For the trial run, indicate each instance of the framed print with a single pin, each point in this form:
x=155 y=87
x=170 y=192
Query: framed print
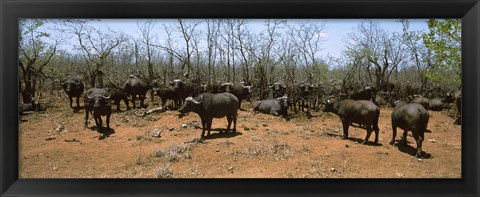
x=239 y=98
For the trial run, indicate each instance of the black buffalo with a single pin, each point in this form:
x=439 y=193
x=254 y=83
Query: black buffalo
x=278 y=90
x=74 y=87
x=35 y=105
x=276 y=107
x=183 y=89
x=410 y=117
x=209 y=106
x=97 y=103
x=241 y=91
x=116 y=95
x=425 y=102
x=456 y=98
x=458 y=105
x=361 y=112
x=166 y=93
x=136 y=87
x=436 y=104
x=306 y=95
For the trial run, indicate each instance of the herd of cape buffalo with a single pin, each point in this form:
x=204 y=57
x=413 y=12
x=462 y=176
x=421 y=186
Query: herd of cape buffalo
x=353 y=103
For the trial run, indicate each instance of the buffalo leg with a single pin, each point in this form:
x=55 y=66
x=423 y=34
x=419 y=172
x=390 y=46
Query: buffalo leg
x=71 y=100
x=117 y=102
x=204 y=124
x=142 y=99
x=108 y=121
x=345 y=129
x=99 y=122
x=234 y=123
x=419 y=140
x=209 y=126
x=134 y=97
x=377 y=131
x=86 y=118
x=404 y=140
x=394 y=134
x=229 y=119
x=126 y=103
x=78 y=101
x=369 y=132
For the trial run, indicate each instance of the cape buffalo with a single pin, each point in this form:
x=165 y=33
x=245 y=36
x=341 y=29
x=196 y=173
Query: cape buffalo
x=458 y=104
x=116 y=95
x=166 y=93
x=74 y=87
x=436 y=104
x=209 y=106
x=410 y=117
x=422 y=101
x=134 y=87
x=456 y=98
x=278 y=106
x=97 y=103
x=361 y=112
x=278 y=90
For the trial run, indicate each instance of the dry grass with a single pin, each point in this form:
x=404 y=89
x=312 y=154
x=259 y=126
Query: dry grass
x=175 y=152
x=164 y=172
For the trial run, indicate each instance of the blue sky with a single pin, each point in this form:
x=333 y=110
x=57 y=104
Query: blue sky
x=334 y=32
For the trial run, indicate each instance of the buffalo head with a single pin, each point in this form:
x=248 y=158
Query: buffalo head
x=99 y=98
x=189 y=105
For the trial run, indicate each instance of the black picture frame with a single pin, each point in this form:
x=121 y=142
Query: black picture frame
x=11 y=11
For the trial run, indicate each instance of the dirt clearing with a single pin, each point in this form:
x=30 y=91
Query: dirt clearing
x=54 y=144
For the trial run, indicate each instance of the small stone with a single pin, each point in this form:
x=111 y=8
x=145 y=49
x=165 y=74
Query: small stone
x=346 y=145
x=217 y=150
x=432 y=140
x=171 y=129
x=230 y=168
x=184 y=126
x=157 y=133
x=59 y=128
x=420 y=160
x=332 y=169
x=246 y=129
x=265 y=125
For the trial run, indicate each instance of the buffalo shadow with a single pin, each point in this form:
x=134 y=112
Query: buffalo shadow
x=408 y=149
x=105 y=132
x=369 y=142
x=222 y=133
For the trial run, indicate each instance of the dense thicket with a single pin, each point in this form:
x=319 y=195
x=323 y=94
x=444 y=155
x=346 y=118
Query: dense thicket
x=232 y=50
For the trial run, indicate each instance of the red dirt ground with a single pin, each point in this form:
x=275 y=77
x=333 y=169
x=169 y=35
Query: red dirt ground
x=54 y=144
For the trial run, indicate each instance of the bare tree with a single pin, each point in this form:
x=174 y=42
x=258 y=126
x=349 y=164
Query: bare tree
x=419 y=53
x=307 y=38
x=147 y=40
x=188 y=33
x=96 y=46
x=212 y=40
x=382 y=50
x=34 y=56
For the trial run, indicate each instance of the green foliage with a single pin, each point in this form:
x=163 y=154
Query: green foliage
x=444 y=40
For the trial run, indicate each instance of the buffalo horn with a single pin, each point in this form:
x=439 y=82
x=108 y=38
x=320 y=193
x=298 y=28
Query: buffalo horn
x=106 y=97
x=192 y=100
